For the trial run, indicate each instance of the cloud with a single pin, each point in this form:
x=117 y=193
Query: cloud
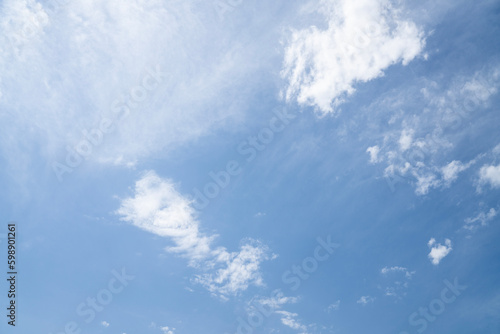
x=334 y=306
x=361 y=40
x=388 y=270
x=274 y=304
x=489 y=174
x=450 y=172
x=238 y=270
x=105 y=324
x=399 y=285
x=481 y=219
x=365 y=300
x=406 y=139
x=80 y=63
x=413 y=145
x=373 y=151
x=438 y=251
x=167 y=330
x=289 y=319
x=157 y=207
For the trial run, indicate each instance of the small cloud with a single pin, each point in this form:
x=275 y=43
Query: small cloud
x=167 y=330
x=490 y=175
x=406 y=140
x=334 y=307
x=365 y=300
x=373 y=151
x=399 y=286
x=387 y=270
x=288 y=319
x=105 y=324
x=259 y=214
x=450 y=172
x=438 y=251
x=481 y=219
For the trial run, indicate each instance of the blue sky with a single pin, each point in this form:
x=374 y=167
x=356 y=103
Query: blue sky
x=236 y=166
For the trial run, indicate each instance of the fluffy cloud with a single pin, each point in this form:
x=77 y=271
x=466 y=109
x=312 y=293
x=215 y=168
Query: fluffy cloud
x=157 y=207
x=167 y=330
x=373 y=151
x=438 y=251
x=361 y=40
x=490 y=175
x=105 y=324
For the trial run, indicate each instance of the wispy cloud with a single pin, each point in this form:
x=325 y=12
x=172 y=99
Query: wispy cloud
x=334 y=306
x=481 y=219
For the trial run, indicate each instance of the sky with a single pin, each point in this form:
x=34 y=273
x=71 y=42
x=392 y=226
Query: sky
x=239 y=167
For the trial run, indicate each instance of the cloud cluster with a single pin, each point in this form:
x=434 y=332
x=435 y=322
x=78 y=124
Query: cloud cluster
x=400 y=276
x=413 y=145
x=361 y=40
x=157 y=207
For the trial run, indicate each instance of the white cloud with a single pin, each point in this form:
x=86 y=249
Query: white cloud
x=438 y=251
x=490 y=175
x=105 y=324
x=400 y=277
x=481 y=219
x=373 y=151
x=450 y=172
x=157 y=207
x=406 y=139
x=289 y=319
x=413 y=144
x=363 y=38
x=167 y=330
x=238 y=270
x=277 y=300
x=274 y=304
x=388 y=270
x=365 y=300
